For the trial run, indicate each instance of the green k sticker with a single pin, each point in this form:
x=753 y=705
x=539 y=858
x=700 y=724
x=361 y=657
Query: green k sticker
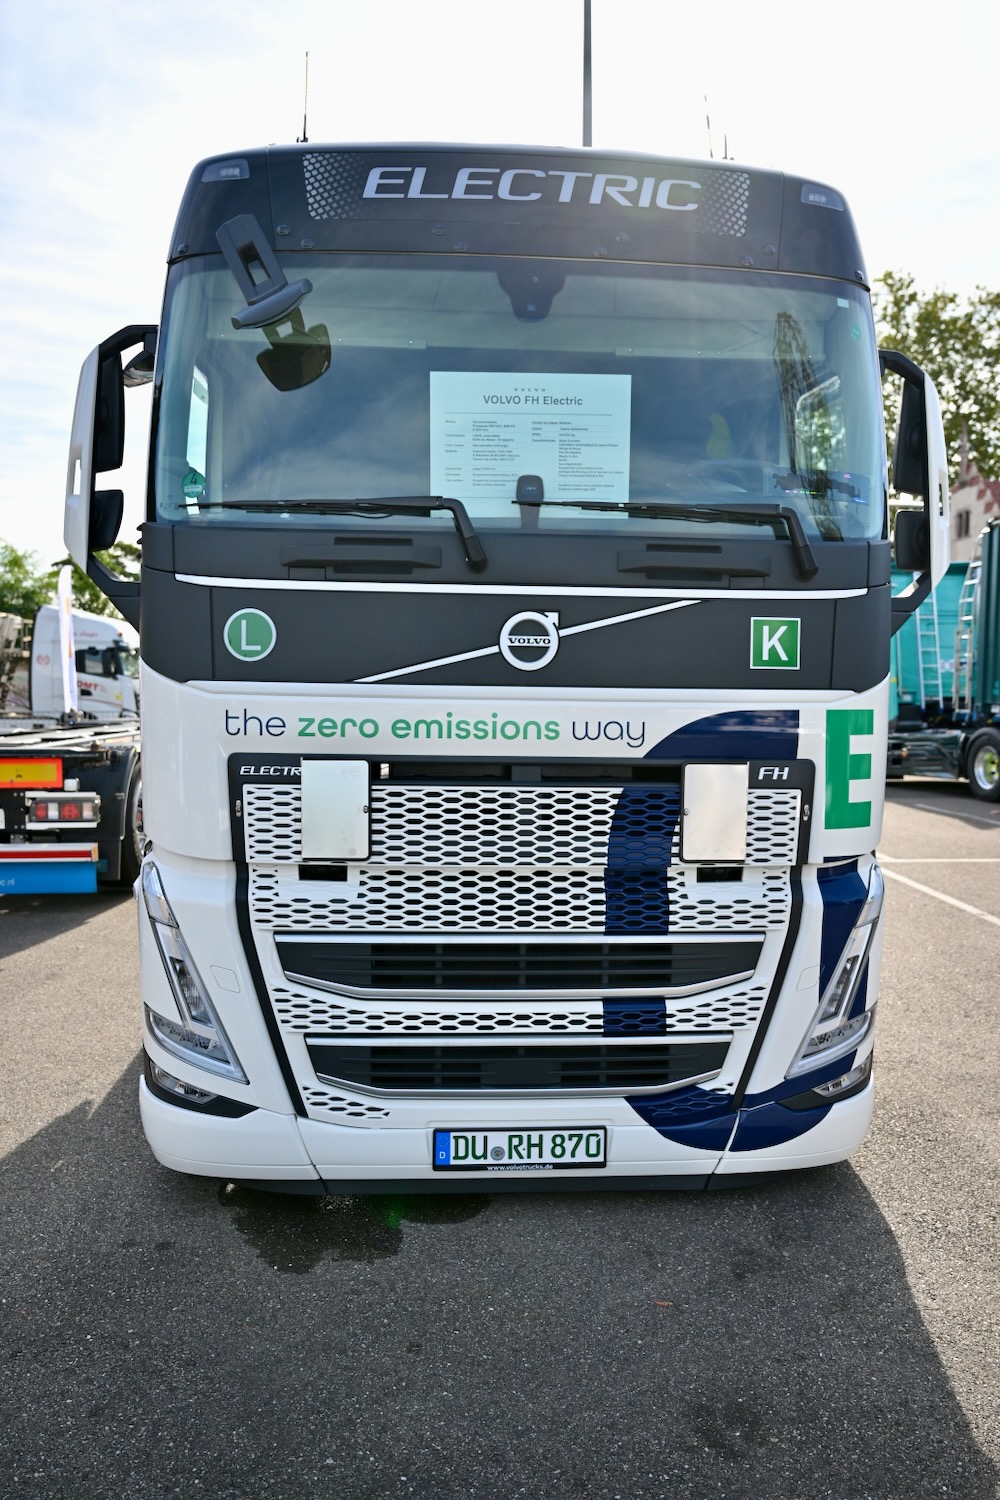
x=250 y=634
x=774 y=643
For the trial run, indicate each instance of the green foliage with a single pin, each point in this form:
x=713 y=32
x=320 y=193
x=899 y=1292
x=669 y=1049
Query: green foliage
x=123 y=559
x=957 y=341
x=24 y=584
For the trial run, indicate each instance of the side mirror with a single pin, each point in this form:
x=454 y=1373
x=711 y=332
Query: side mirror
x=92 y=517
x=919 y=468
x=911 y=542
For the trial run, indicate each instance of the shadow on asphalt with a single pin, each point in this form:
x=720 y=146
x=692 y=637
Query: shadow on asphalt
x=745 y=1344
x=27 y=921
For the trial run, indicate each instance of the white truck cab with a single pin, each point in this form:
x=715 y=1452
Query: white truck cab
x=107 y=665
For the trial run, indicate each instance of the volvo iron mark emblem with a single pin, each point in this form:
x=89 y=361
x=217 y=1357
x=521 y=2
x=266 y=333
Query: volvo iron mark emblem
x=529 y=641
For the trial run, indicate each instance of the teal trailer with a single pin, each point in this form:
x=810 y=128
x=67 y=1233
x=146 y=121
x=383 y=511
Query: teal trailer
x=945 y=688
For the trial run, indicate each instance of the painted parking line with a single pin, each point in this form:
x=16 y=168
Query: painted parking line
x=890 y=859
x=926 y=890
x=968 y=816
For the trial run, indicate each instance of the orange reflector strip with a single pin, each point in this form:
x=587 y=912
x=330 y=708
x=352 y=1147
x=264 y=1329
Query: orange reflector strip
x=31 y=773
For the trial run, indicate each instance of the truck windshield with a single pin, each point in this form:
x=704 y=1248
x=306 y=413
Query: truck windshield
x=497 y=379
x=127 y=660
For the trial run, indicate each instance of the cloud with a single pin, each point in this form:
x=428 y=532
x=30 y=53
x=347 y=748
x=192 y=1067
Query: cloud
x=106 y=110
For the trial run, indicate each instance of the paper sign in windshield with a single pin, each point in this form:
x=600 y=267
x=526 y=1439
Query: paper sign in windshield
x=570 y=430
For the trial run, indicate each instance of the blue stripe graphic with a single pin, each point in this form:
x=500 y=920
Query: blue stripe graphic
x=639 y=843
x=747 y=734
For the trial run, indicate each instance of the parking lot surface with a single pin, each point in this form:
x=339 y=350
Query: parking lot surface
x=833 y=1335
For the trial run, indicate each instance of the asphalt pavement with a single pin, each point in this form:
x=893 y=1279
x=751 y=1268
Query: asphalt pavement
x=831 y=1335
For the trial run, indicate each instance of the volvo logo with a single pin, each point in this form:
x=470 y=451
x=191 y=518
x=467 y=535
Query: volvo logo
x=529 y=641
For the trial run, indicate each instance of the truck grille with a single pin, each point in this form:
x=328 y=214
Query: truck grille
x=533 y=826
x=512 y=936
x=506 y=967
x=622 y=1068
x=305 y=1011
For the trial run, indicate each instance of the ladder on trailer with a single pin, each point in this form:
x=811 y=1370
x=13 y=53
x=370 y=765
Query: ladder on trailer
x=964 y=632
x=928 y=651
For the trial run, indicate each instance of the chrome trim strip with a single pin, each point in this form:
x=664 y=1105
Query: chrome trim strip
x=678 y=1039
x=618 y=1093
x=551 y=996
x=581 y=940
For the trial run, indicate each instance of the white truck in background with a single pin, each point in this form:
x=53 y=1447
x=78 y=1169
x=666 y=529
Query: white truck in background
x=70 y=786
x=107 y=665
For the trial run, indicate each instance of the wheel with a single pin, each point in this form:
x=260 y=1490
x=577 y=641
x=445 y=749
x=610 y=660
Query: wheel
x=983 y=766
x=133 y=838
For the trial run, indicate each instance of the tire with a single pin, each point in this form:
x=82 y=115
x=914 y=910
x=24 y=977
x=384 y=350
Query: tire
x=982 y=766
x=133 y=839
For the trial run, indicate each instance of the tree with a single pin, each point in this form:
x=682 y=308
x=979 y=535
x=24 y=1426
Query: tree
x=957 y=341
x=123 y=558
x=24 y=585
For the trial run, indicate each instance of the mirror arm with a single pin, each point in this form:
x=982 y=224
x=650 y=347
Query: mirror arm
x=123 y=592
x=909 y=601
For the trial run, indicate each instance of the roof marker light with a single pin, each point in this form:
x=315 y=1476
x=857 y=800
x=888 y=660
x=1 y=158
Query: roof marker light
x=226 y=171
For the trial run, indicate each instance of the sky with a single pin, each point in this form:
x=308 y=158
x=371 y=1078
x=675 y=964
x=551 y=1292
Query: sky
x=105 y=109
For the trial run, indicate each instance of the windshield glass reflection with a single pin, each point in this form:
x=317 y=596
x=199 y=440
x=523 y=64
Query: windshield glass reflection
x=489 y=379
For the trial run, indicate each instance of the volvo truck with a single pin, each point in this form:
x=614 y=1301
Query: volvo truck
x=515 y=615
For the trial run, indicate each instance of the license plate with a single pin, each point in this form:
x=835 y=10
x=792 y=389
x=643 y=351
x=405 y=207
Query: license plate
x=563 y=1150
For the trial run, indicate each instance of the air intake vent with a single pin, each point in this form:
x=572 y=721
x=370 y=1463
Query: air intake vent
x=621 y=1068
x=512 y=967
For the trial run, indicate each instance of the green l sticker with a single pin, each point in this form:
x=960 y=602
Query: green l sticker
x=250 y=634
x=774 y=642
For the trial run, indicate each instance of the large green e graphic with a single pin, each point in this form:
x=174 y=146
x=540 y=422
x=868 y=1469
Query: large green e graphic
x=843 y=767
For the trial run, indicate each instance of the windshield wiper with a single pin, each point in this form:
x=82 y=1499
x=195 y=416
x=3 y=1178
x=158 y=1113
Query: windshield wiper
x=760 y=515
x=385 y=505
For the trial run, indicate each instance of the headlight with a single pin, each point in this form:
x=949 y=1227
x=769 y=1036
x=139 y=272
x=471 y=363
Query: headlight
x=200 y=1038
x=831 y=1034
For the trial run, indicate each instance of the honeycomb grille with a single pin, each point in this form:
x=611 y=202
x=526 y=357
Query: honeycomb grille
x=433 y=901
x=537 y=826
x=301 y=1010
x=772 y=827
x=324 y=1101
x=450 y=825
x=523 y=873
x=725 y=202
x=507 y=901
x=335 y=181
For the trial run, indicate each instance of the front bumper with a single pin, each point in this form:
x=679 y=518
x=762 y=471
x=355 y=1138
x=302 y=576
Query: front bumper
x=269 y=1149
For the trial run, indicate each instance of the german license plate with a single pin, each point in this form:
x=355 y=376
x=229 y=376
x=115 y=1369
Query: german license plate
x=548 y=1150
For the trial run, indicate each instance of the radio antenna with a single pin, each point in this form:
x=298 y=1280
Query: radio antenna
x=708 y=127
x=303 y=139
x=587 y=100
